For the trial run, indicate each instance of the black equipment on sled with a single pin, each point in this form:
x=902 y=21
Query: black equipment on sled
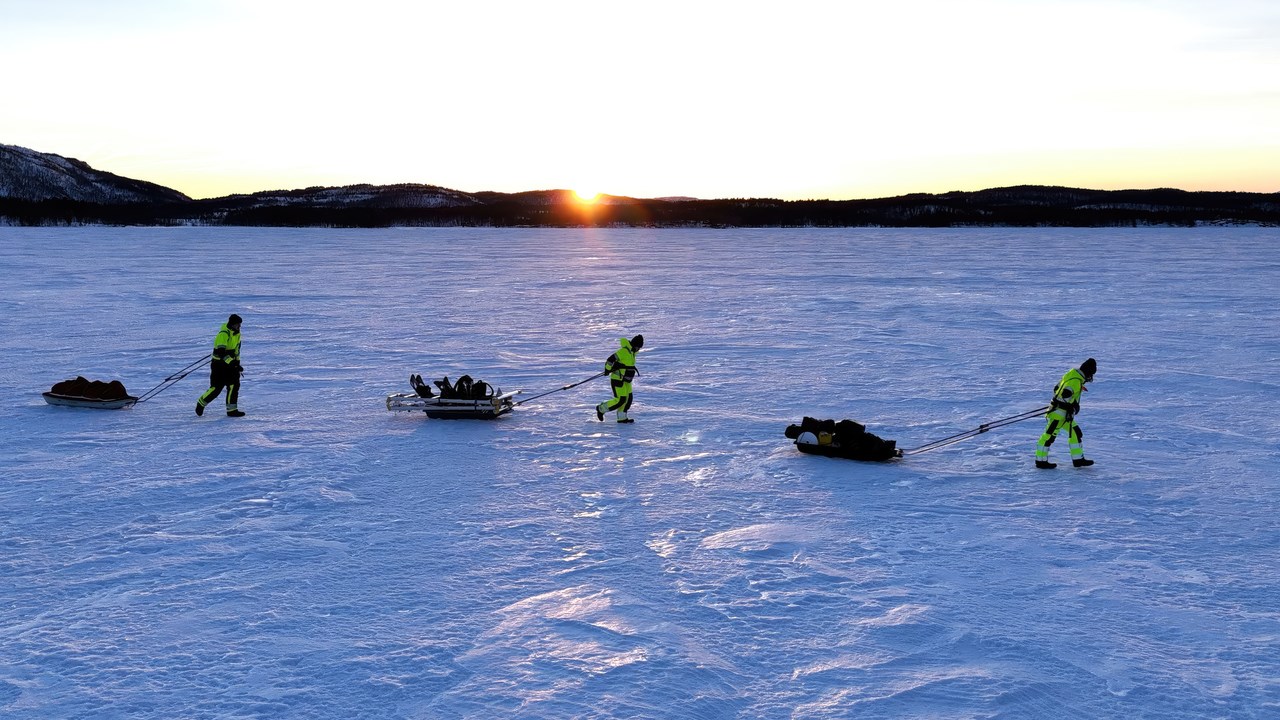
x=844 y=439
x=90 y=393
x=465 y=399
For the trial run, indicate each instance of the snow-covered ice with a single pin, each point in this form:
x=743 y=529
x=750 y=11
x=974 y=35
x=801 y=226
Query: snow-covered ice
x=324 y=558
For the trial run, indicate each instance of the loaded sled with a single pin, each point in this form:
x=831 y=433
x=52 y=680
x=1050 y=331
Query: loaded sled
x=90 y=394
x=466 y=399
x=845 y=439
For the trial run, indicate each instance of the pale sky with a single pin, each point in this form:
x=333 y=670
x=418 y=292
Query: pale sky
x=789 y=99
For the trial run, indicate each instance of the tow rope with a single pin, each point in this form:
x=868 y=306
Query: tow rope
x=566 y=387
x=978 y=430
x=174 y=378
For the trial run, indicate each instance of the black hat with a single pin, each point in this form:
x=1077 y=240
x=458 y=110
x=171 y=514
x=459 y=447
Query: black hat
x=1089 y=367
x=637 y=342
x=233 y=320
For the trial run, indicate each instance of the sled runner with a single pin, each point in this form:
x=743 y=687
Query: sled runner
x=466 y=399
x=845 y=439
x=90 y=394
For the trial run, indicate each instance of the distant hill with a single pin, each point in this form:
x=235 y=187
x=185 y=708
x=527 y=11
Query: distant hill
x=43 y=189
x=370 y=196
x=34 y=176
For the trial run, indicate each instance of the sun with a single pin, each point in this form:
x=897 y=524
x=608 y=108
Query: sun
x=587 y=197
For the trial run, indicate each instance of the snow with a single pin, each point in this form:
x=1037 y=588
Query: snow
x=324 y=558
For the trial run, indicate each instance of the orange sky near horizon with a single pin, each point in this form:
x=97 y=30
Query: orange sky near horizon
x=713 y=99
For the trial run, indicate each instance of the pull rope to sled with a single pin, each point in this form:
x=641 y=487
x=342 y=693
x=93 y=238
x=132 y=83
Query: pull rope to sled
x=566 y=387
x=977 y=431
x=174 y=378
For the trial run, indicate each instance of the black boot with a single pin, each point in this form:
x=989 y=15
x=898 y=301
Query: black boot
x=1046 y=465
x=1082 y=462
x=199 y=409
x=599 y=414
x=235 y=413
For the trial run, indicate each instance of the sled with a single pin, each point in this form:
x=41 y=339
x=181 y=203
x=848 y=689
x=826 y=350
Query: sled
x=838 y=451
x=88 y=402
x=85 y=393
x=441 y=408
x=845 y=439
x=467 y=399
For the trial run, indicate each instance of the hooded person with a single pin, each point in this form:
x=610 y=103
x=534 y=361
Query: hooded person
x=1062 y=416
x=224 y=371
x=621 y=367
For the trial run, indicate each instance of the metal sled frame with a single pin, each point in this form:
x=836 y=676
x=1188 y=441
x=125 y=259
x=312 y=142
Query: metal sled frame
x=445 y=408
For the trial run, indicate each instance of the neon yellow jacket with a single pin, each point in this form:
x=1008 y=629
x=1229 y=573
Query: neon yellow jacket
x=1066 y=395
x=622 y=364
x=226 y=346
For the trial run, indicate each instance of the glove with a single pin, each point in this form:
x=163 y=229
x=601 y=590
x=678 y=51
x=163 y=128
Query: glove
x=1075 y=407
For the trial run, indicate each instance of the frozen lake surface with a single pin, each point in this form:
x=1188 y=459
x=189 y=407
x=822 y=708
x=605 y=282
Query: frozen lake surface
x=324 y=558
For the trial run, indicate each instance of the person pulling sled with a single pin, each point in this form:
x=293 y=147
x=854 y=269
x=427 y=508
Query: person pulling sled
x=1062 y=416
x=224 y=371
x=621 y=367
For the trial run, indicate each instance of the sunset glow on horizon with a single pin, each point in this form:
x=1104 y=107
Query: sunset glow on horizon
x=802 y=100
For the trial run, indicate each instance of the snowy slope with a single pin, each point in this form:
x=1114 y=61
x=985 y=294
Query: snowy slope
x=29 y=175
x=323 y=558
x=380 y=196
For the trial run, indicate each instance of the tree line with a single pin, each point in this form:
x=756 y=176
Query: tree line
x=1018 y=207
